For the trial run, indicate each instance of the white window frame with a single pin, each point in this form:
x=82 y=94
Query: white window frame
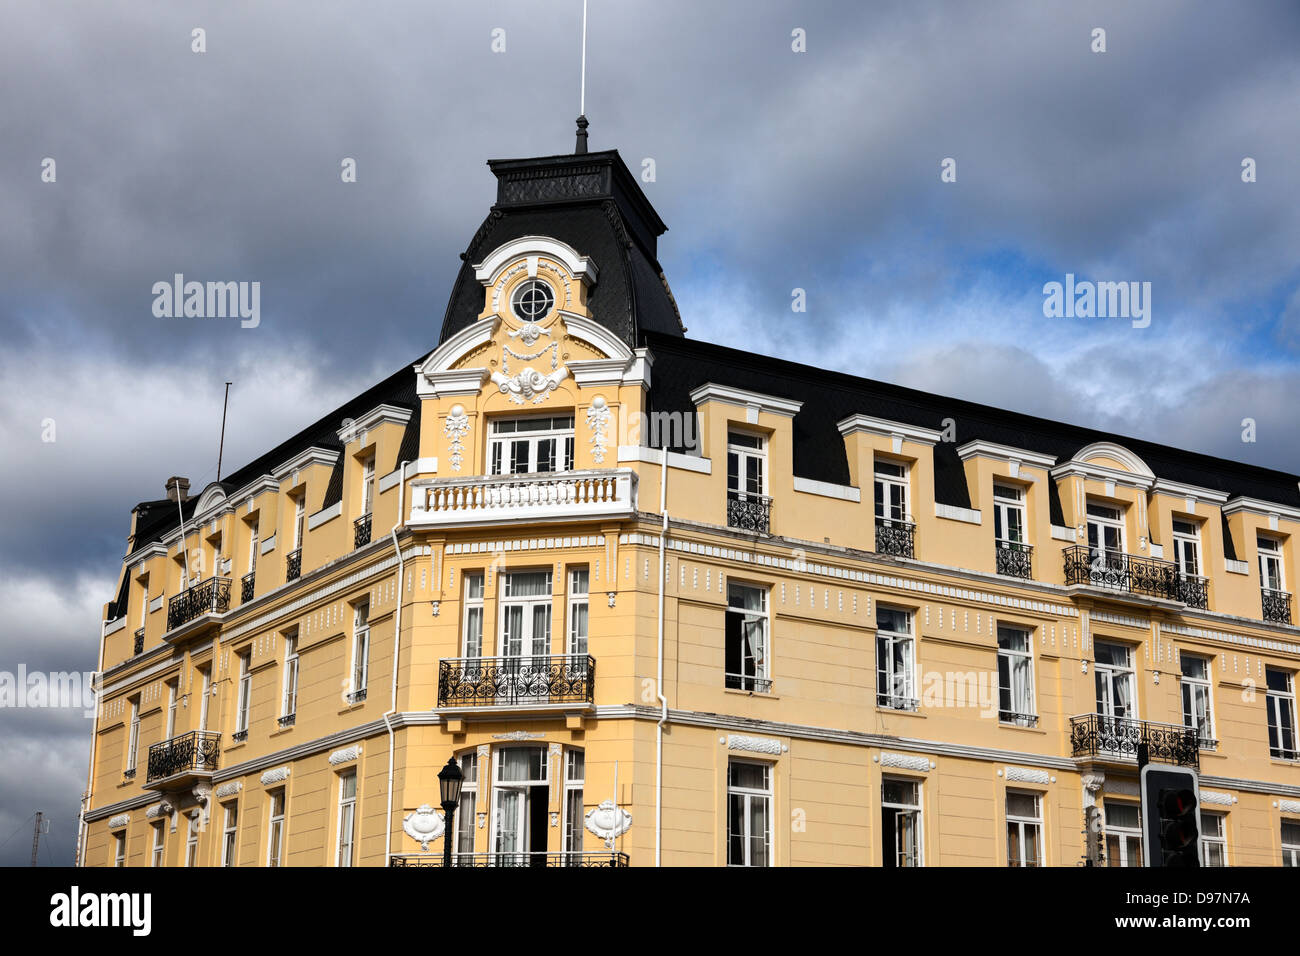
x=1193 y=685
x=1009 y=500
x=245 y=701
x=500 y=445
x=472 y=624
x=1219 y=839
x=575 y=773
x=172 y=696
x=904 y=697
x=368 y=484
x=347 y=821
x=886 y=487
x=157 y=852
x=276 y=827
x=119 y=849
x=133 y=735
x=466 y=812
x=1109 y=673
x=230 y=834
x=252 y=547
x=1016 y=715
x=1273 y=701
x=1290 y=851
x=1187 y=548
x=520 y=791
x=579 y=611
x=1270 y=554
x=360 y=647
x=299 y=519
x=529 y=644
x=761 y=680
x=289 y=692
x=206 y=674
x=747 y=457
x=1127 y=837
x=192 y=842
x=1024 y=823
x=1114 y=521
x=751 y=797
x=917 y=810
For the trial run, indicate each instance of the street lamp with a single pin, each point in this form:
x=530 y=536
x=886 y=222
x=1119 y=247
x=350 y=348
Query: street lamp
x=449 y=781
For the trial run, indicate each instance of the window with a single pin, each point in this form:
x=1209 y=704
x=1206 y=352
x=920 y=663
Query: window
x=192 y=842
x=289 y=703
x=347 y=817
x=746 y=637
x=1008 y=514
x=1281 y=714
x=1015 y=677
x=1114 y=678
x=578 y=597
x=252 y=546
x=170 y=730
x=521 y=797
x=526 y=614
x=535 y=444
x=472 y=641
x=746 y=457
x=360 y=651
x=895 y=660
x=133 y=737
x=159 y=844
x=275 y=832
x=205 y=682
x=368 y=484
x=245 y=696
x=891 y=491
x=119 y=849
x=468 y=804
x=1024 y=829
x=1123 y=834
x=1106 y=534
x=1197 y=711
x=532 y=300
x=230 y=835
x=1187 y=548
x=144 y=600
x=900 y=802
x=1290 y=843
x=299 y=519
x=1214 y=839
x=1271 y=576
x=749 y=814
x=574 y=772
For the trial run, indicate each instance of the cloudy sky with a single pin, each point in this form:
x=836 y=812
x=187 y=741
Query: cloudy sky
x=775 y=170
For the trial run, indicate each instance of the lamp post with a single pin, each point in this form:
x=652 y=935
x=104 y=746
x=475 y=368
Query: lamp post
x=449 y=781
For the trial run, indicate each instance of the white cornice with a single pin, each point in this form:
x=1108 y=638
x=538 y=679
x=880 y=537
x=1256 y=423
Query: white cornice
x=311 y=456
x=379 y=415
x=1109 y=449
x=1103 y=473
x=594 y=334
x=457 y=381
x=1176 y=489
x=888 y=429
x=1004 y=453
x=1256 y=506
x=490 y=268
x=713 y=392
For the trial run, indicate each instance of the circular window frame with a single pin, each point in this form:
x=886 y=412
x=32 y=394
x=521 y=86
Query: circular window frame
x=526 y=286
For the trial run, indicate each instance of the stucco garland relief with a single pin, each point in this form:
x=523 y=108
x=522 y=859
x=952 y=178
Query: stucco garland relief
x=456 y=428
x=608 y=822
x=423 y=826
x=598 y=423
x=528 y=384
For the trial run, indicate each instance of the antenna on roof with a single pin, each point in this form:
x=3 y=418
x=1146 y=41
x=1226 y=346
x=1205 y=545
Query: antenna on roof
x=222 y=447
x=581 y=146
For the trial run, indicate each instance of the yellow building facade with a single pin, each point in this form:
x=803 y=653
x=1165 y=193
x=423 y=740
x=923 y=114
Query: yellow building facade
x=666 y=602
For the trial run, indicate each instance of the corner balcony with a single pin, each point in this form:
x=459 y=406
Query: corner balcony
x=564 y=682
x=1133 y=574
x=207 y=597
x=523 y=499
x=182 y=760
x=1116 y=740
x=1276 y=606
x=604 y=858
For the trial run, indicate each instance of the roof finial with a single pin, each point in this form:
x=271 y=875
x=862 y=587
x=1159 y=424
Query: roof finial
x=582 y=135
x=581 y=146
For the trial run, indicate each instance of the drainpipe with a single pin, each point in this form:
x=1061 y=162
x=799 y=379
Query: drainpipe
x=397 y=644
x=659 y=678
x=94 y=739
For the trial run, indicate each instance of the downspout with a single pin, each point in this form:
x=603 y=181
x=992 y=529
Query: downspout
x=397 y=644
x=659 y=678
x=94 y=739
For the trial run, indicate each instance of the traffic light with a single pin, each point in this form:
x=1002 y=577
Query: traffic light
x=1170 y=816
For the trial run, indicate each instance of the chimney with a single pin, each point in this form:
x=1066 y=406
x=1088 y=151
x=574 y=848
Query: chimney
x=178 y=489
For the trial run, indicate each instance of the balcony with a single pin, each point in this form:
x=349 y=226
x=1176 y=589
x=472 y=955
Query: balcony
x=361 y=531
x=897 y=702
x=183 y=759
x=749 y=682
x=246 y=587
x=208 y=597
x=1117 y=739
x=1276 y=605
x=896 y=537
x=505 y=499
x=516 y=681
x=1193 y=590
x=137 y=646
x=287 y=720
x=293 y=565
x=601 y=858
x=751 y=513
x=1116 y=571
x=1017 y=720
x=1014 y=559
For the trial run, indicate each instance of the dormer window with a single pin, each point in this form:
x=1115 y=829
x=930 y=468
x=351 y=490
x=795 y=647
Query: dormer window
x=1014 y=556
x=1106 y=534
x=748 y=506
x=895 y=532
x=1187 y=547
x=532 y=301
x=539 y=443
x=1272 y=580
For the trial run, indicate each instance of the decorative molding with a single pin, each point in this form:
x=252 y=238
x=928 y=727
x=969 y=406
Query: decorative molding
x=159 y=809
x=757 y=745
x=423 y=826
x=608 y=822
x=953 y=513
x=1122 y=788
x=1236 y=567
x=518 y=735
x=905 y=762
x=121 y=820
x=1265 y=509
x=345 y=755
x=380 y=415
x=229 y=789
x=1027 y=775
x=311 y=456
x=1219 y=799
x=1289 y=806
x=529 y=248
x=455 y=428
x=598 y=423
x=1004 y=453
x=756 y=402
x=528 y=384
x=887 y=429
x=1061 y=533
x=827 y=490
x=275 y=776
x=1190 y=493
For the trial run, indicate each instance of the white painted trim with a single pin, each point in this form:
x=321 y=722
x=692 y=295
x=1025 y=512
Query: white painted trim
x=324 y=515
x=112 y=627
x=1236 y=567
x=713 y=392
x=268 y=545
x=888 y=429
x=596 y=335
x=827 y=489
x=953 y=513
x=1102 y=473
x=156 y=604
x=1062 y=533
x=654 y=456
x=462 y=343
x=1005 y=453
x=379 y=415
x=1257 y=506
x=450 y=383
x=593 y=373
x=1109 y=449
x=578 y=265
x=209 y=498
x=1176 y=489
x=421 y=466
x=311 y=456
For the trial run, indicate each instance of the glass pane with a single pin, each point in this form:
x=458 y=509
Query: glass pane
x=528 y=584
x=1123 y=815
x=1022 y=805
x=888 y=619
x=899 y=792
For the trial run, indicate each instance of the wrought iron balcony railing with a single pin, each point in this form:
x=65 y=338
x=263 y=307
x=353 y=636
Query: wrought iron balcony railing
x=207 y=597
x=361 y=531
x=749 y=512
x=1020 y=720
x=287 y=720
x=1015 y=559
x=128 y=774
x=246 y=587
x=896 y=702
x=293 y=565
x=504 y=681
x=137 y=646
x=759 y=685
x=239 y=736
x=548 y=496
x=1117 y=571
x=896 y=537
x=1277 y=606
x=599 y=858
x=1193 y=590
x=356 y=696
x=1096 y=735
x=194 y=751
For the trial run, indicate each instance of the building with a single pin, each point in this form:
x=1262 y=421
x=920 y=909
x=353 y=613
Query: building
x=834 y=621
